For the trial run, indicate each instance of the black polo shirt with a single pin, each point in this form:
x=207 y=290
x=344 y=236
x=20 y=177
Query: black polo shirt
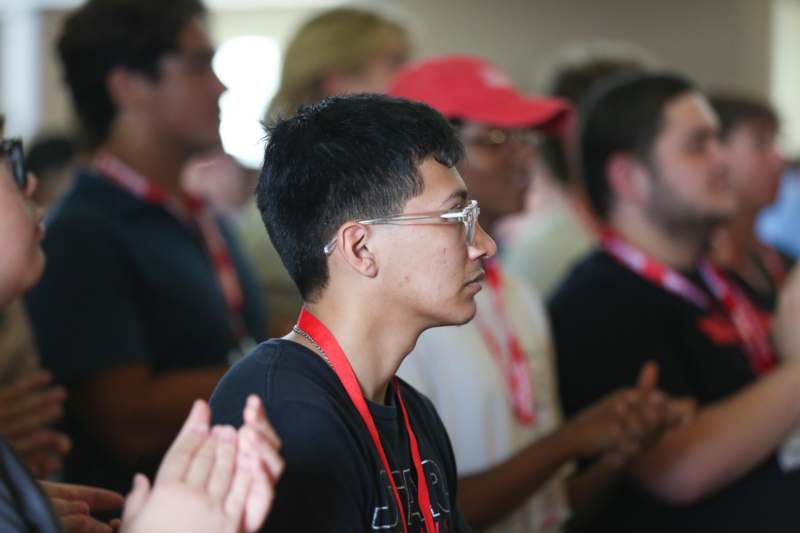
x=607 y=321
x=126 y=282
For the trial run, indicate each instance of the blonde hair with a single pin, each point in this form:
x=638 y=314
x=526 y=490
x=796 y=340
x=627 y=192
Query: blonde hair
x=344 y=39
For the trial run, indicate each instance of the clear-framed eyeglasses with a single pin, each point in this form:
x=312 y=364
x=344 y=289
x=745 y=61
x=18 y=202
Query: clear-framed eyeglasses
x=467 y=216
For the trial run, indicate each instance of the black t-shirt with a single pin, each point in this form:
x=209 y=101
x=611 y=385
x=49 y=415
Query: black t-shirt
x=127 y=283
x=334 y=479
x=607 y=321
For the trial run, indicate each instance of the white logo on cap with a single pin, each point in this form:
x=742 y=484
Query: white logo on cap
x=495 y=78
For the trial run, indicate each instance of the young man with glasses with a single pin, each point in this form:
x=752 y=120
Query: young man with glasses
x=493 y=380
x=145 y=299
x=362 y=200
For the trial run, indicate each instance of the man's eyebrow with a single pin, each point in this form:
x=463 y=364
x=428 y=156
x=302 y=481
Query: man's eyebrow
x=459 y=194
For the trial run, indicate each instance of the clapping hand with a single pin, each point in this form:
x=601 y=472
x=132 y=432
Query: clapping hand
x=212 y=479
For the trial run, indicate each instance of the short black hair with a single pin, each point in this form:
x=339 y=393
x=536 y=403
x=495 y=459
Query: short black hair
x=622 y=114
x=345 y=158
x=736 y=109
x=573 y=82
x=103 y=34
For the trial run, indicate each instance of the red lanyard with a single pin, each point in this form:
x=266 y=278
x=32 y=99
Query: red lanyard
x=196 y=214
x=315 y=329
x=740 y=310
x=515 y=366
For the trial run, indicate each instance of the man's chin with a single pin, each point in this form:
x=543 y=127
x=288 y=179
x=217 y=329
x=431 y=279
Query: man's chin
x=460 y=318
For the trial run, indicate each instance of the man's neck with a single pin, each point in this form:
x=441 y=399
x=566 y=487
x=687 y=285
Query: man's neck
x=742 y=229
x=374 y=342
x=681 y=252
x=157 y=161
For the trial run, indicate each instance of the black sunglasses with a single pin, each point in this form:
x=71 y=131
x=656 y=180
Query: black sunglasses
x=11 y=149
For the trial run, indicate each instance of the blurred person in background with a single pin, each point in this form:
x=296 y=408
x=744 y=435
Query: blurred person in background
x=211 y=480
x=748 y=130
x=557 y=227
x=654 y=169
x=29 y=404
x=145 y=299
x=341 y=51
x=51 y=159
x=493 y=380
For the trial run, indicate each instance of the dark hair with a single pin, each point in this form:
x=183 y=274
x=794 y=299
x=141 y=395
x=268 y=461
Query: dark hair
x=734 y=110
x=623 y=114
x=48 y=153
x=572 y=83
x=345 y=158
x=104 y=34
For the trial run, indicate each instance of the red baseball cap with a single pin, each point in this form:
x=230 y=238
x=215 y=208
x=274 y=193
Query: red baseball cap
x=470 y=88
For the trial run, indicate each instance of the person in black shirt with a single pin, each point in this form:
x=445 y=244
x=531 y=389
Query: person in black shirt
x=216 y=479
x=362 y=201
x=654 y=173
x=145 y=300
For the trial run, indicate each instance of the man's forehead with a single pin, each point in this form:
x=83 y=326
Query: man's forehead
x=689 y=111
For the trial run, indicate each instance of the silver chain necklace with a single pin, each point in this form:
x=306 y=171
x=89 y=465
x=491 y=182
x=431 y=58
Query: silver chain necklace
x=310 y=339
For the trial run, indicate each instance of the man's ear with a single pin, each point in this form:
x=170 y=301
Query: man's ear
x=628 y=178
x=353 y=245
x=126 y=88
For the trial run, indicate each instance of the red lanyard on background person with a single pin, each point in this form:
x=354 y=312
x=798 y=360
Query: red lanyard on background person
x=508 y=353
x=325 y=340
x=740 y=310
x=196 y=214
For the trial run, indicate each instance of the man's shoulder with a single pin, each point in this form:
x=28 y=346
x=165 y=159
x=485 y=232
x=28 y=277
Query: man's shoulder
x=599 y=283
x=94 y=196
x=92 y=209
x=286 y=375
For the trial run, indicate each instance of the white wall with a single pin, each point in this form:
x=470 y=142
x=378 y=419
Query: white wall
x=785 y=80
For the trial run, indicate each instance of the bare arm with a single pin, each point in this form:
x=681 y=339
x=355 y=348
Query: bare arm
x=142 y=412
x=725 y=440
x=490 y=495
x=728 y=438
x=617 y=426
x=588 y=490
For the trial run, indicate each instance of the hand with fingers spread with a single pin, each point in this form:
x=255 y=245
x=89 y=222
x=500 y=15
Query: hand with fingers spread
x=26 y=408
x=74 y=503
x=211 y=479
